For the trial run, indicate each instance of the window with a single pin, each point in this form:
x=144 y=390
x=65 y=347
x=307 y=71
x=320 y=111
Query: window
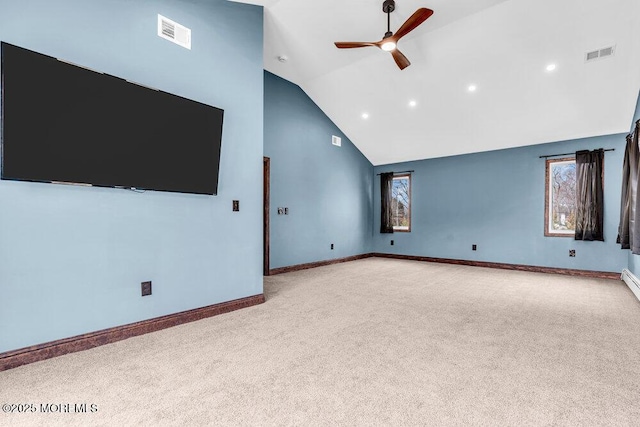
x=401 y=203
x=560 y=198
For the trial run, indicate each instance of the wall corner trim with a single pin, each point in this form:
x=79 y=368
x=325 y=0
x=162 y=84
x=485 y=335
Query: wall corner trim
x=36 y=353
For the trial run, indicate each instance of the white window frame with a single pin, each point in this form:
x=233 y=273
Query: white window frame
x=548 y=220
x=405 y=228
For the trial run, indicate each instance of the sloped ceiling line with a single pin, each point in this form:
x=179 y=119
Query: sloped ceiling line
x=501 y=46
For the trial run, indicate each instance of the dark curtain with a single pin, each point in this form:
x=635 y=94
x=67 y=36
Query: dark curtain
x=589 y=195
x=386 y=184
x=634 y=200
x=629 y=186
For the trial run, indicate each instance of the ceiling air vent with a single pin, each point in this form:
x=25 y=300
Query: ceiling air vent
x=600 y=53
x=607 y=51
x=172 y=31
x=593 y=55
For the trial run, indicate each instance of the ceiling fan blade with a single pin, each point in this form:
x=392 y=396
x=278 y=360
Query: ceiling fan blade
x=418 y=17
x=349 y=45
x=400 y=59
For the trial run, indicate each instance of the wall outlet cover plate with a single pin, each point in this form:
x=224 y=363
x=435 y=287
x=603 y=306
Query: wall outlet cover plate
x=146 y=288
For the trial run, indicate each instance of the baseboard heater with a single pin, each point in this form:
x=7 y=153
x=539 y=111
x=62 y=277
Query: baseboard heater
x=632 y=282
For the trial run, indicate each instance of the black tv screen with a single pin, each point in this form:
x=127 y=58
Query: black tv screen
x=65 y=123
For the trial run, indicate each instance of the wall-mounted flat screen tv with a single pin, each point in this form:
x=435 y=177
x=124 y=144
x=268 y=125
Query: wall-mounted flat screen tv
x=65 y=123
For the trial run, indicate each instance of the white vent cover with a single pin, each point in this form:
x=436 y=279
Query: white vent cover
x=607 y=51
x=599 y=53
x=336 y=140
x=593 y=55
x=172 y=31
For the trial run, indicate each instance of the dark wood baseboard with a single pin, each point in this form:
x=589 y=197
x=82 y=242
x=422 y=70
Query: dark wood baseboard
x=503 y=266
x=23 y=356
x=520 y=267
x=298 y=267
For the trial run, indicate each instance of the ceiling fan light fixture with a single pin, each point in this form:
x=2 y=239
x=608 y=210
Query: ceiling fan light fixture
x=389 y=41
x=388 y=46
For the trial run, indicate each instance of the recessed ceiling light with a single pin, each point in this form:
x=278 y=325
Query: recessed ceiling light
x=412 y=103
x=365 y=116
x=551 y=67
x=472 y=88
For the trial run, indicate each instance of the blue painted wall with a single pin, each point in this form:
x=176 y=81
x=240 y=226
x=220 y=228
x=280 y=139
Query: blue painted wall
x=326 y=188
x=496 y=200
x=72 y=258
x=634 y=260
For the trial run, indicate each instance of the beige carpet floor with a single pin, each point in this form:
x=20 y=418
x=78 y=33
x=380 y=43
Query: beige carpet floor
x=370 y=342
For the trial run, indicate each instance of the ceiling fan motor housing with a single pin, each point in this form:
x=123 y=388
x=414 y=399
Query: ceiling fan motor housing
x=388 y=6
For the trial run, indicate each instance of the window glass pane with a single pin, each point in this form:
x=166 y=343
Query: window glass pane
x=562 y=203
x=400 y=203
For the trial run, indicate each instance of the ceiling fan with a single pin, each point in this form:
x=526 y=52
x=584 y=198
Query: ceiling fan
x=389 y=41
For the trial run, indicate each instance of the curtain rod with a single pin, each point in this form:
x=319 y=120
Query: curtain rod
x=396 y=172
x=569 y=154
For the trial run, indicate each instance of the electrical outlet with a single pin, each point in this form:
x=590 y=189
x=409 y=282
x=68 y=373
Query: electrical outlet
x=572 y=252
x=392 y=243
x=332 y=246
x=236 y=205
x=474 y=247
x=146 y=288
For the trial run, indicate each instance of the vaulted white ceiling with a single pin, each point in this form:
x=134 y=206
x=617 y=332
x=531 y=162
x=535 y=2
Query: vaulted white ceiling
x=501 y=46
